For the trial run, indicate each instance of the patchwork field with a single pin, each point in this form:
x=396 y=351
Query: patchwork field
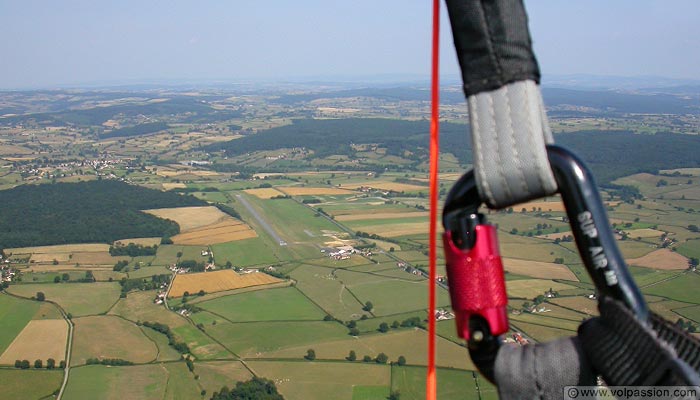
x=385 y=185
x=661 y=259
x=15 y=314
x=221 y=232
x=217 y=281
x=313 y=191
x=531 y=288
x=264 y=193
x=316 y=380
x=62 y=248
x=452 y=384
x=538 y=269
x=139 y=382
x=39 y=340
x=203 y=226
x=213 y=375
x=76 y=298
x=284 y=304
x=385 y=215
x=29 y=384
x=245 y=252
x=393 y=344
x=126 y=340
x=396 y=230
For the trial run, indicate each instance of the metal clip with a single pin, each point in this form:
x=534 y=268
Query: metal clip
x=475 y=274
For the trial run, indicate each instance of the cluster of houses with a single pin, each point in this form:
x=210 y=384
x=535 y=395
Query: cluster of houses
x=339 y=253
x=162 y=291
x=64 y=169
x=443 y=315
x=7 y=274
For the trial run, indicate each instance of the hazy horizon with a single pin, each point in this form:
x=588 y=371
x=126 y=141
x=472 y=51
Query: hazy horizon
x=80 y=43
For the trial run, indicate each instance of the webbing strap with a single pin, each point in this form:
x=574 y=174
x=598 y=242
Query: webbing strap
x=509 y=132
x=627 y=353
x=540 y=371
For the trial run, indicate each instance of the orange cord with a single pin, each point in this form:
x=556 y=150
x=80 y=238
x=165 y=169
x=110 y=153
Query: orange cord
x=431 y=379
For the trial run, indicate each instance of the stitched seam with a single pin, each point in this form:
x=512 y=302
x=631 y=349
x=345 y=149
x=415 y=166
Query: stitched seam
x=516 y=155
x=477 y=147
x=494 y=136
x=492 y=50
x=531 y=139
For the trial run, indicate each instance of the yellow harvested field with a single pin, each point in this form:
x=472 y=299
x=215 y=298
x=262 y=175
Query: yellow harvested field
x=141 y=241
x=217 y=281
x=206 y=237
x=264 y=193
x=170 y=173
x=39 y=340
x=661 y=259
x=389 y=215
x=62 y=248
x=173 y=185
x=202 y=226
x=544 y=205
x=312 y=191
x=644 y=233
x=538 y=269
x=531 y=288
x=95 y=258
x=49 y=258
x=394 y=230
x=394 y=186
x=190 y=217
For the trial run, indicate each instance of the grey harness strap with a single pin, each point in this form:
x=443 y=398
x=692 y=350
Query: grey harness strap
x=509 y=132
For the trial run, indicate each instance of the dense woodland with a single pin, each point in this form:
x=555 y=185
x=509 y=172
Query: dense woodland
x=610 y=154
x=86 y=212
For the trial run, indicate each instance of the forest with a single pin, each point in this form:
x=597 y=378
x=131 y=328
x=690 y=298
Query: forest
x=86 y=212
x=610 y=154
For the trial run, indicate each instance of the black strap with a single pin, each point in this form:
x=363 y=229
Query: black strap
x=492 y=42
x=541 y=371
x=627 y=353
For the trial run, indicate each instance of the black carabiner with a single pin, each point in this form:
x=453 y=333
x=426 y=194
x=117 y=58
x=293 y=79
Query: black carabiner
x=591 y=230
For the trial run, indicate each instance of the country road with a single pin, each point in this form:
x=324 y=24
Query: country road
x=260 y=220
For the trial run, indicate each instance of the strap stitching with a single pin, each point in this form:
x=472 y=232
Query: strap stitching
x=477 y=146
x=516 y=154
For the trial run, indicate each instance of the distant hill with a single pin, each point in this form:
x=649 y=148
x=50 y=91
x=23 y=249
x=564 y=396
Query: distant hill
x=85 y=212
x=192 y=110
x=137 y=130
x=611 y=154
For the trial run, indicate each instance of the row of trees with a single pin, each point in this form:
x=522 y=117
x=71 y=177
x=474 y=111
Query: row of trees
x=50 y=364
x=180 y=347
x=381 y=358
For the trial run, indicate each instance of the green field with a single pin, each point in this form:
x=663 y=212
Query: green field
x=126 y=340
x=14 y=315
x=691 y=248
x=213 y=375
x=293 y=221
x=244 y=253
x=397 y=296
x=410 y=343
x=246 y=339
x=167 y=254
x=139 y=382
x=370 y=392
x=29 y=384
x=452 y=384
x=201 y=345
x=684 y=288
x=318 y=283
x=170 y=381
x=322 y=380
x=284 y=304
x=76 y=298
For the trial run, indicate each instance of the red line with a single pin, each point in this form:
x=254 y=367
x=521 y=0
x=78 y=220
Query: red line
x=431 y=379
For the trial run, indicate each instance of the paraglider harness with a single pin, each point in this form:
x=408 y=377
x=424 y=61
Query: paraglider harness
x=515 y=161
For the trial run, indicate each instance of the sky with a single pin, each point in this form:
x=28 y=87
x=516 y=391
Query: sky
x=48 y=44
